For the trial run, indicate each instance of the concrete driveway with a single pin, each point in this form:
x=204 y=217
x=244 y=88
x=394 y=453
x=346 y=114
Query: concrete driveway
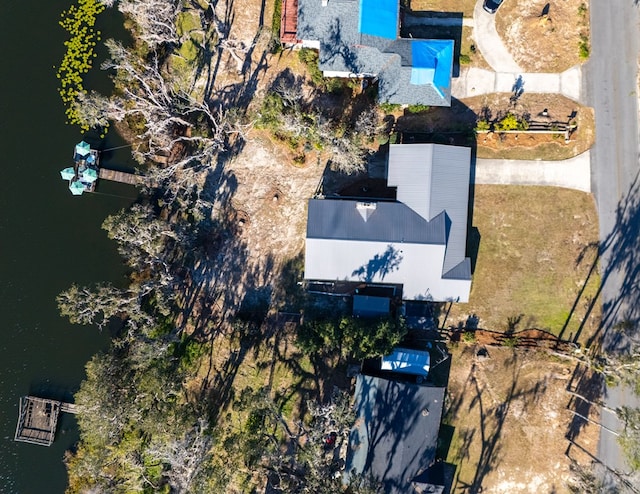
x=573 y=173
x=474 y=82
x=490 y=43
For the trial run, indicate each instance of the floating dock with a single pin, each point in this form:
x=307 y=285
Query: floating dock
x=38 y=419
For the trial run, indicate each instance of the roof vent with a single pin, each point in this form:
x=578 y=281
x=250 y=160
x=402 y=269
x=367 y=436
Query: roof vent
x=366 y=209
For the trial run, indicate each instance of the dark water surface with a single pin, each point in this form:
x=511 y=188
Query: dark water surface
x=48 y=238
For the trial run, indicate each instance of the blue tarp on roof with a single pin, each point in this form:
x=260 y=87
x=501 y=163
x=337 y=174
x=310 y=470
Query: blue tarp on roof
x=431 y=62
x=379 y=18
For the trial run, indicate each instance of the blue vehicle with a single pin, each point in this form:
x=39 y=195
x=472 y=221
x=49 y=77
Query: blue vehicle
x=492 y=5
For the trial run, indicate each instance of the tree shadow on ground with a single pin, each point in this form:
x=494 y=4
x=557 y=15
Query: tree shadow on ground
x=620 y=268
x=493 y=413
x=585 y=388
x=589 y=302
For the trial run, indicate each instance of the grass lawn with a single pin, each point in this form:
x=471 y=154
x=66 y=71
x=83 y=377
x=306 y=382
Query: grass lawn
x=536 y=251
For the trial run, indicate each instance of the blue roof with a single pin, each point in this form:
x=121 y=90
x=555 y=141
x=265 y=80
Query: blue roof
x=379 y=18
x=431 y=63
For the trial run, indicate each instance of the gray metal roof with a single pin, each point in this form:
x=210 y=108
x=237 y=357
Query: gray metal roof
x=344 y=49
x=385 y=222
x=418 y=241
x=431 y=179
x=396 y=432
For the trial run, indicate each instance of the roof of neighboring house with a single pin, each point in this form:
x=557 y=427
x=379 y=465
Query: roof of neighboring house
x=361 y=37
x=396 y=431
x=418 y=241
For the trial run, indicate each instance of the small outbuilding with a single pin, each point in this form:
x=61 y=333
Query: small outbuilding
x=370 y=306
x=407 y=361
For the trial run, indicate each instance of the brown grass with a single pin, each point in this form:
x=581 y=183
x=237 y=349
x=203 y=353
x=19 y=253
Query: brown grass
x=544 y=43
x=464 y=6
x=537 y=248
x=510 y=418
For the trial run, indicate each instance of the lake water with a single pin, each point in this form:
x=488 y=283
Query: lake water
x=48 y=238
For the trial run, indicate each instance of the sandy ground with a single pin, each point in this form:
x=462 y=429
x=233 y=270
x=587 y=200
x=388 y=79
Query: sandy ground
x=543 y=43
x=509 y=410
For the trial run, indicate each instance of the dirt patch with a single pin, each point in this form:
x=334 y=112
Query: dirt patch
x=507 y=409
x=547 y=109
x=277 y=226
x=527 y=338
x=535 y=260
x=545 y=40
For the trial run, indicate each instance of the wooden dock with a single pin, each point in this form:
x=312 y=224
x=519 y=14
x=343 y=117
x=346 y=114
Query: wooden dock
x=122 y=177
x=38 y=419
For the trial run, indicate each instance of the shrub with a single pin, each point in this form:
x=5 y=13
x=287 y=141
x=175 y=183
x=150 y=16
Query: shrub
x=469 y=337
x=510 y=342
x=482 y=125
x=417 y=108
x=582 y=9
x=583 y=47
x=464 y=59
x=389 y=107
x=509 y=122
x=310 y=58
x=271 y=110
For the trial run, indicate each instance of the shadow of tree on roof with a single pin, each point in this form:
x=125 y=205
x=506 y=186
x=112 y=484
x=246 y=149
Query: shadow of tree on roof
x=393 y=418
x=380 y=265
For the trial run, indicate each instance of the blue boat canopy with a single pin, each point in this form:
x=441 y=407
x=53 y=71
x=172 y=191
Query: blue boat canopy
x=68 y=173
x=83 y=148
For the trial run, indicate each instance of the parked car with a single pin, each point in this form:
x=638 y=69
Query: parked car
x=492 y=5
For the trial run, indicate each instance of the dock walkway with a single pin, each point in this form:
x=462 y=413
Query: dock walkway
x=118 y=176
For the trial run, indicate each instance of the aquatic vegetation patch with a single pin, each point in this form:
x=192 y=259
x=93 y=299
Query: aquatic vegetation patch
x=79 y=22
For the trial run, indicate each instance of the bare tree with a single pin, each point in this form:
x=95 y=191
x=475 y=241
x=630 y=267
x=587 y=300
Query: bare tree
x=155 y=19
x=168 y=116
x=185 y=458
x=368 y=123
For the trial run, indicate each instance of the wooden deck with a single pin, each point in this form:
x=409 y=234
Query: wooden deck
x=122 y=177
x=289 y=22
x=37 y=420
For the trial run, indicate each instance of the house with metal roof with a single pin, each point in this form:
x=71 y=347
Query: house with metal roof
x=395 y=436
x=360 y=38
x=417 y=241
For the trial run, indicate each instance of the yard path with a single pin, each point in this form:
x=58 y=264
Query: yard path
x=572 y=173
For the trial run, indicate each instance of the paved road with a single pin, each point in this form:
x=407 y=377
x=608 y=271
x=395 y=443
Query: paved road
x=611 y=87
